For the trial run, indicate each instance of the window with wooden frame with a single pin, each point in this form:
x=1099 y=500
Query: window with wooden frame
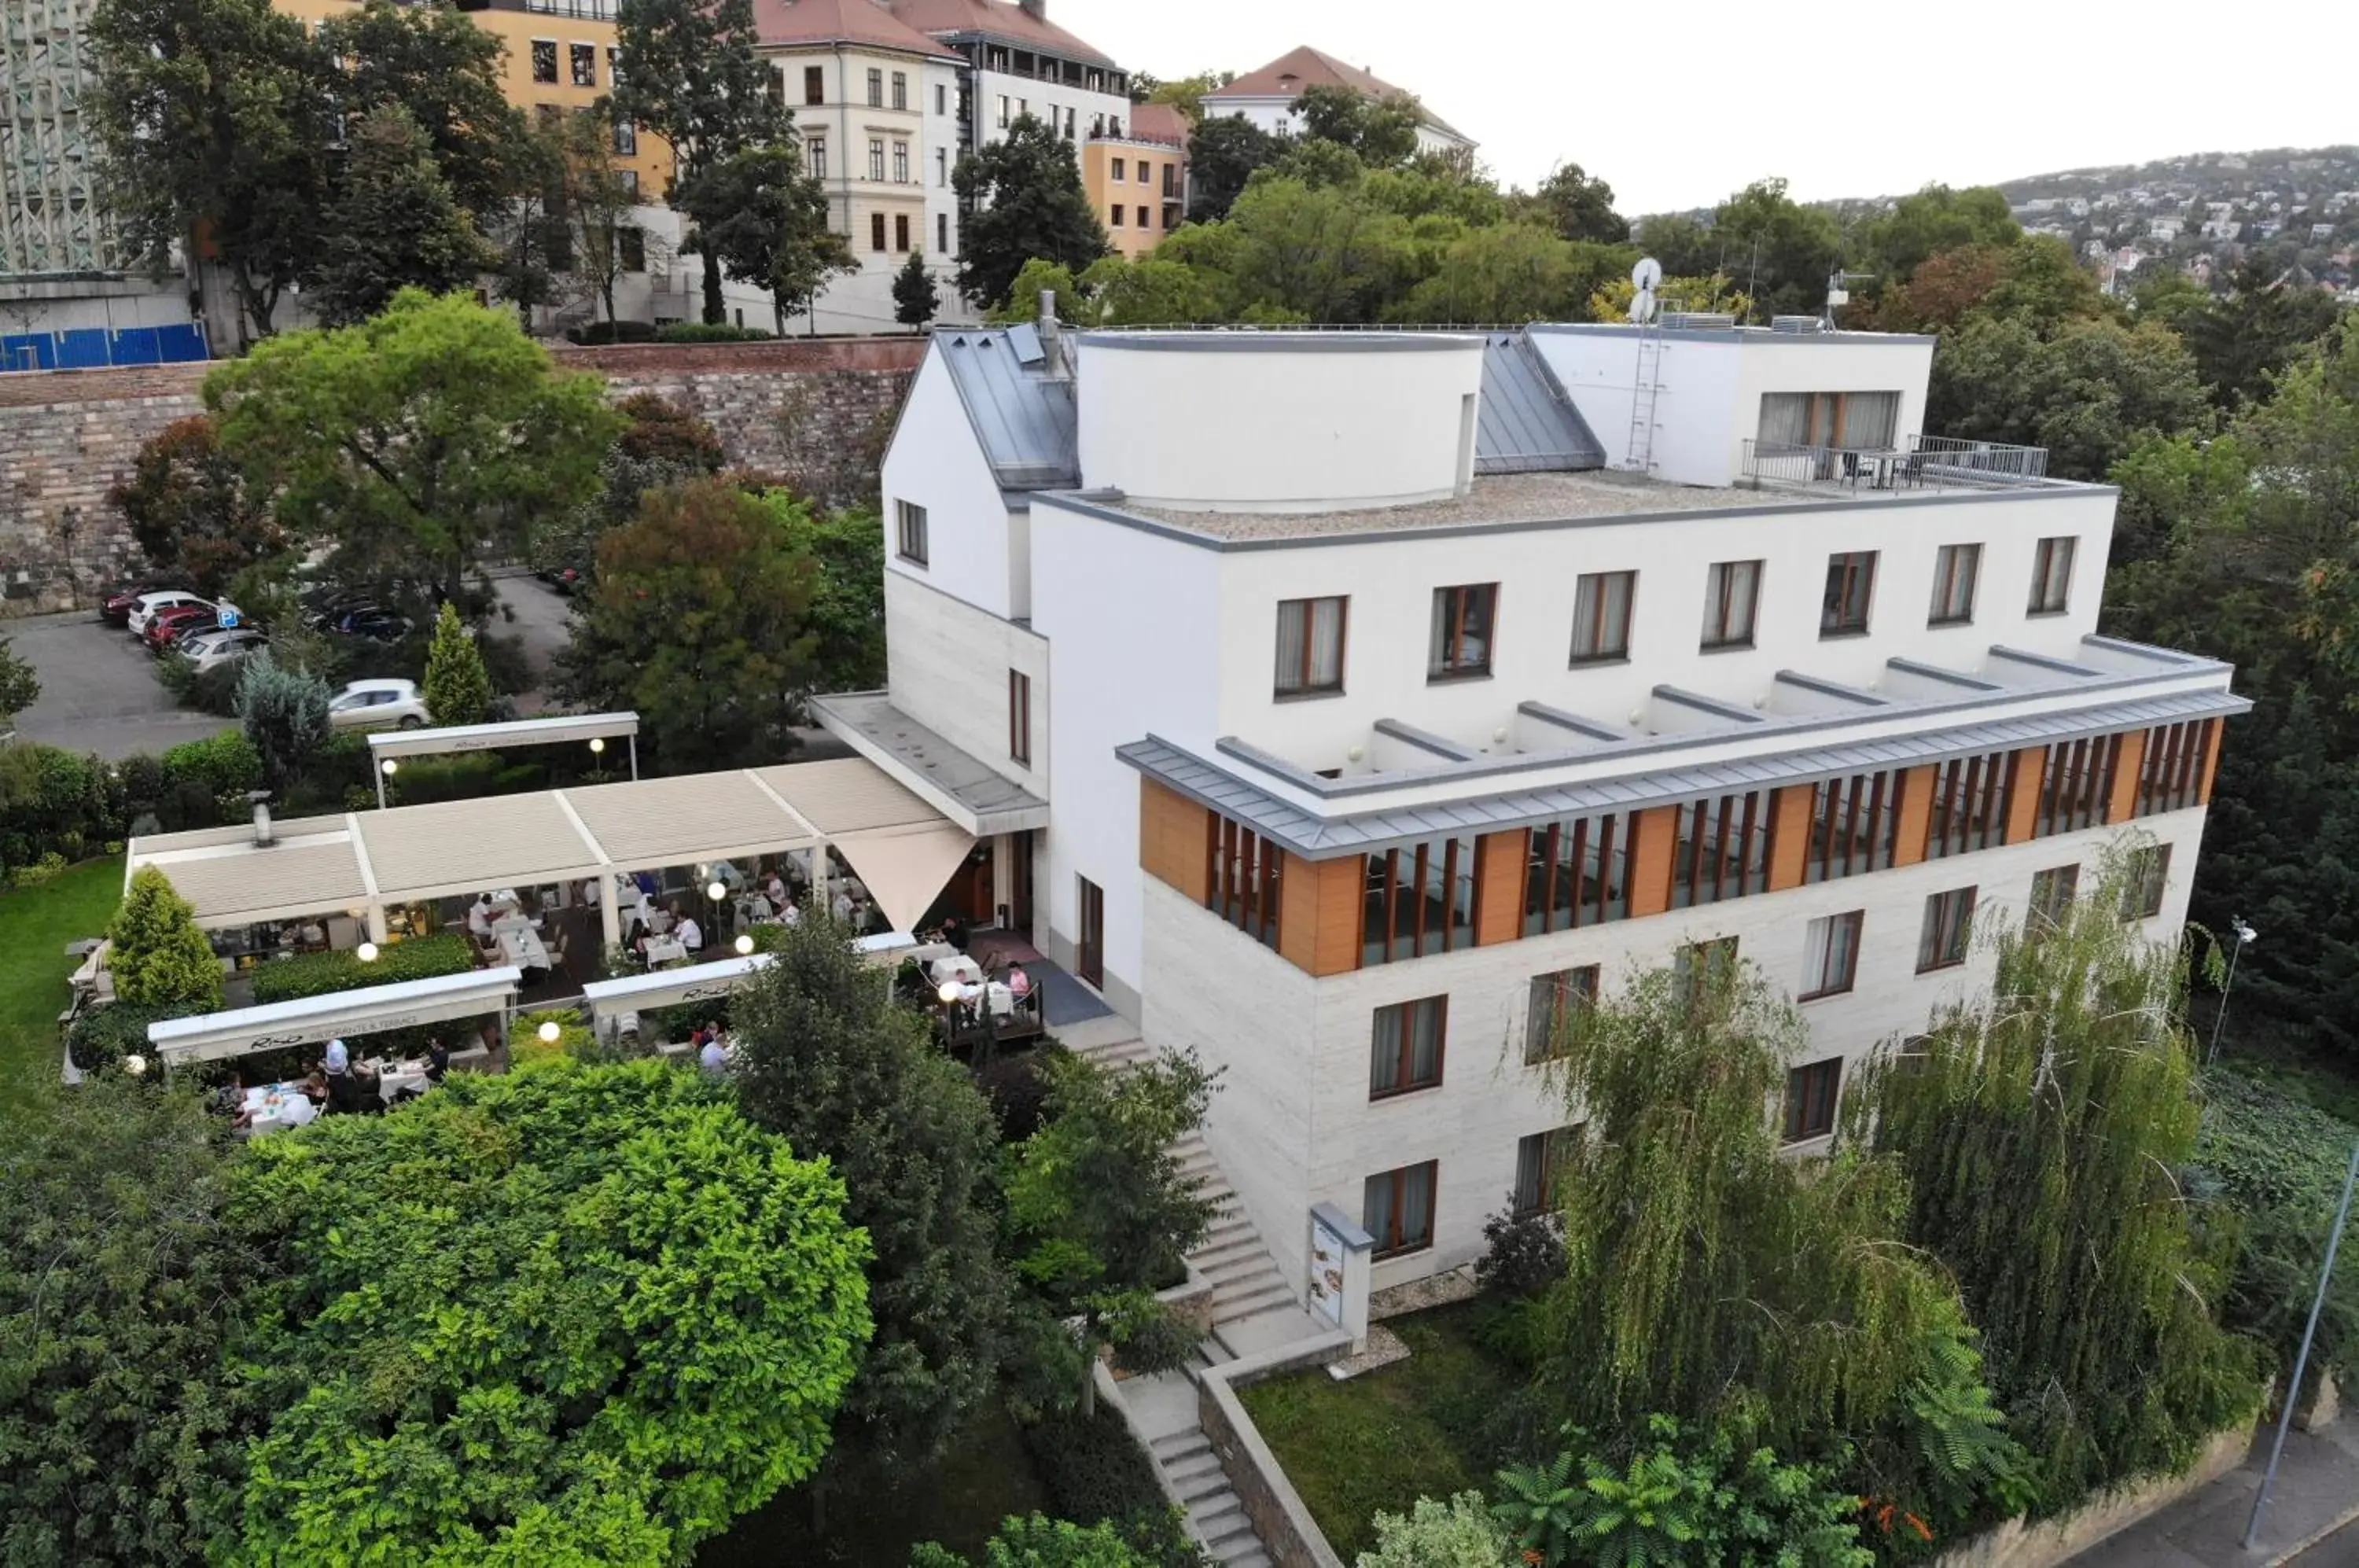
x=876 y=231
x=1577 y=874
x=1310 y=645
x=1601 y=616
x=1240 y=881
x=583 y=60
x=1419 y=900
x=1811 y=1096
x=815 y=156
x=875 y=88
x=900 y=90
x=1539 y=1158
x=2148 y=879
x=1699 y=966
x=1971 y=795
x=1396 y=1209
x=901 y=175
x=1731 y=598
x=901 y=232
x=544 y=59
x=1089 y=948
x=1830 y=954
x=877 y=158
x=1851 y=590
x=1406 y=1046
x=2052 y=892
x=1862 y=421
x=2076 y=783
x=1020 y=717
x=1723 y=848
x=1854 y=823
x=909 y=532
x=1955 y=568
x=2170 y=772
x=1460 y=646
x=1557 y=1000
x=814 y=84
x=2052 y=576
x=1949 y=926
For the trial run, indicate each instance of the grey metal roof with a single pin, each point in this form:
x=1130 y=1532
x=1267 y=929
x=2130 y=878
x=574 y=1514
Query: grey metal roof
x=1326 y=838
x=1023 y=416
x=1527 y=423
x=996 y=803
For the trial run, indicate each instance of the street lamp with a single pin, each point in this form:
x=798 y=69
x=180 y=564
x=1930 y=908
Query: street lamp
x=365 y=953
x=715 y=890
x=597 y=745
x=389 y=766
x=136 y=1065
x=549 y=1031
x=2244 y=935
x=744 y=943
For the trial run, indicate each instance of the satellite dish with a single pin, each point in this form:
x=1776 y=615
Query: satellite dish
x=1647 y=273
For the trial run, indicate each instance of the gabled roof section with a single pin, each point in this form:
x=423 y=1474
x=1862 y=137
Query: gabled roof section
x=1527 y=423
x=866 y=22
x=998 y=20
x=1023 y=415
x=1290 y=72
x=1160 y=123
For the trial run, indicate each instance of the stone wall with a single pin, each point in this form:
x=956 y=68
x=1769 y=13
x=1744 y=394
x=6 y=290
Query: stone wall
x=817 y=414
x=1288 y=1533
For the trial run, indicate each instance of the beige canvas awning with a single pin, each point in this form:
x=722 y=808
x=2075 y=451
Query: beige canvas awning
x=905 y=868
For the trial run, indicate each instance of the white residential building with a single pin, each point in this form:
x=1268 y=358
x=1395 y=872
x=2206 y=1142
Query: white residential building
x=1343 y=704
x=1267 y=97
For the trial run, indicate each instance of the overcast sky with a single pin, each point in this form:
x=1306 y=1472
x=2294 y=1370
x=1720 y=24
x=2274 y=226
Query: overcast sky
x=1676 y=106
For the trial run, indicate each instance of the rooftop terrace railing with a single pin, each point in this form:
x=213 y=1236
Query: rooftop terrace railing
x=1929 y=462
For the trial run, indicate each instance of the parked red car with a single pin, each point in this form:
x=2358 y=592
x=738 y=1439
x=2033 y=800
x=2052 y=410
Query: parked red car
x=166 y=624
x=115 y=610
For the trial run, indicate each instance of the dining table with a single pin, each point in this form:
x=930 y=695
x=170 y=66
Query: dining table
x=522 y=946
x=268 y=1105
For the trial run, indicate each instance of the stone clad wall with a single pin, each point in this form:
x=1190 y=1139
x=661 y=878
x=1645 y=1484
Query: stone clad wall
x=816 y=414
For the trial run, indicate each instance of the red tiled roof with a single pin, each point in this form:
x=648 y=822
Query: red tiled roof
x=851 y=21
x=1159 y=123
x=1000 y=19
x=1292 y=72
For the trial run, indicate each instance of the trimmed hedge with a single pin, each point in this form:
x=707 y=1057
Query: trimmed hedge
x=100 y=1037
x=613 y=332
x=319 y=974
x=225 y=764
x=703 y=331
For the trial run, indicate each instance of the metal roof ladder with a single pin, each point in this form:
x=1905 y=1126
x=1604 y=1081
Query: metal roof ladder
x=1639 y=456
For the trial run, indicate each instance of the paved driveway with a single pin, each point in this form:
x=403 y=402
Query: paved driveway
x=99 y=691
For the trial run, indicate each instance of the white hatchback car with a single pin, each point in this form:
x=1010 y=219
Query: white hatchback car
x=373 y=704
x=143 y=610
x=211 y=650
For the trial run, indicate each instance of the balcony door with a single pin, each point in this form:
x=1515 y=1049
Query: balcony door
x=1089 y=955
x=1863 y=421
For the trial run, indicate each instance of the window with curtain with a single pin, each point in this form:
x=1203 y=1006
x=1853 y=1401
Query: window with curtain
x=1601 y=616
x=1557 y=1000
x=1539 y=1158
x=1971 y=795
x=1830 y=954
x=1576 y=874
x=1405 y=1049
x=1812 y=1094
x=1851 y=589
x=1419 y=900
x=1732 y=596
x=1862 y=421
x=1396 y=1209
x=1461 y=641
x=1949 y=922
x=1310 y=645
x=2051 y=577
x=1723 y=848
x=1955 y=567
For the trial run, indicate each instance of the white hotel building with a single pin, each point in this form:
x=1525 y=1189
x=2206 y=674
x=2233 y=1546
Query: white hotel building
x=1339 y=703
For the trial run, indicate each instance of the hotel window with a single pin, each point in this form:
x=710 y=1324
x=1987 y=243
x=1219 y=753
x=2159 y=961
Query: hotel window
x=1397 y=1208
x=613 y=65
x=1117 y=168
x=1576 y=874
x=1537 y=1159
x=900 y=163
x=1732 y=596
x=877 y=158
x=627 y=139
x=1405 y=1045
x=2052 y=892
x=1310 y=645
x=1461 y=640
x=631 y=245
x=2150 y=875
x=1811 y=1094
x=1241 y=882
x=544 y=59
x=1850 y=588
x=1146 y=172
x=875 y=88
x=876 y=231
x=2051 y=577
x=583 y=58
x=941 y=234
x=1556 y=1001
x=901 y=232
x=1723 y=848
x=1171 y=183
x=1022 y=107
x=1971 y=795
x=1861 y=421
x=900 y=90
x=1601 y=616
x=2170 y=775
x=1699 y=966
x=941 y=99
x=1114 y=221
x=815 y=150
x=630 y=182
x=1002 y=111
x=814 y=84
x=1020 y=717
x=1830 y=955
x=942 y=166
x=2075 y=784
x=1854 y=822
x=1419 y=900
x=1089 y=950
x=1955 y=568
x=909 y=528
x=1949 y=922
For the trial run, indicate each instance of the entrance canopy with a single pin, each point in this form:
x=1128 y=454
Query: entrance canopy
x=341 y=1014
x=608 y=999
x=553 y=731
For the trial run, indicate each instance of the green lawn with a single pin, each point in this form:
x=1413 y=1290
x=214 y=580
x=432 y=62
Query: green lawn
x=35 y=924
x=1428 y=1426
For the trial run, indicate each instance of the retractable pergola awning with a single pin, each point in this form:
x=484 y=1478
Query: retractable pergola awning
x=608 y=1000
x=241 y=1031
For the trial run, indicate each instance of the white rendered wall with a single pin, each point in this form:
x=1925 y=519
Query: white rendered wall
x=1840 y=362
x=936 y=462
x=941 y=198
x=1695 y=399
x=1306 y=424
x=1038 y=98
x=947 y=665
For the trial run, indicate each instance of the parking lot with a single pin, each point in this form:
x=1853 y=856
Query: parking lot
x=99 y=691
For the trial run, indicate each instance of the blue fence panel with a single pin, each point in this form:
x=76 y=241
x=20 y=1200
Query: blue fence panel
x=184 y=341
x=94 y=348
x=133 y=345
x=28 y=350
x=83 y=348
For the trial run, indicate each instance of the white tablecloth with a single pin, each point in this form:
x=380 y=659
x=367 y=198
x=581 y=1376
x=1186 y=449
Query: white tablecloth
x=663 y=949
x=270 y=1103
x=958 y=967
x=393 y=1077
x=1003 y=1000
x=523 y=948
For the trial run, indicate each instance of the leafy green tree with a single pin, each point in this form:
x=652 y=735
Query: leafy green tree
x=915 y=298
x=1460 y=1533
x=769 y=223
x=1323 y=254
x=1895 y=244
x=20 y=683
x=531 y=233
x=1779 y=250
x=1023 y=198
x=2087 y=394
x=189 y=509
x=2244 y=339
x=393 y=225
x=1185 y=93
x=440 y=69
x=634 y=1321
x=831 y=1063
x=1513 y=272
x=1152 y=289
x=2040 y=1128
x=1102 y=1214
x=120 y=1287
x=284 y=712
x=1038 y=277
x=661 y=444
x=1223 y=150
x=693 y=73
x=159 y=958
x=458 y=689
x=2165 y=294
x=697 y=620
x=213 y=117
x=324 y=423
x=1581 y=206
x=846 y=613
x=1381 y=131
x=595 y=200
x=1685 y=248
x=1035 y=1541
x=1941 y=291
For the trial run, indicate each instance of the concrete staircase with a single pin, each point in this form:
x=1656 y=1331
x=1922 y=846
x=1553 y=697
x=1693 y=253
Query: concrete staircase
x=1215 y=1512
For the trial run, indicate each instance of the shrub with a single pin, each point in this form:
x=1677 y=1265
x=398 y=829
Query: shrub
x=54 y=801
x=1017 y=1088
x=318 y=974
x=160 y=959
x=1460 y=1533
x=457 y=687
x=1094 y=1470
x=225 y=764
x=213 y=690
x=99 y=1038
x=285 y=712
x=1525 y=1254
x=598 y=333
x=465 y=775
x=1041 y=1542
x=38 y=872
x=709 y=332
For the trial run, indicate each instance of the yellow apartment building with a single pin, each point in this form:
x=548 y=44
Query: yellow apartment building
x=1136 y=172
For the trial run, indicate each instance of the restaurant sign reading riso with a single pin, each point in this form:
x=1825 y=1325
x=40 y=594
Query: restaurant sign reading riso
x=318 y=1032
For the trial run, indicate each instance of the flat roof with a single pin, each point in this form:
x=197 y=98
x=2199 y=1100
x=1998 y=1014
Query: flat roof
x=968 y=789
x=552 y=731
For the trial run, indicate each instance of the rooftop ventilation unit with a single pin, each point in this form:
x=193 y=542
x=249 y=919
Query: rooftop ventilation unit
x=1795 y=323
x=1692 y=319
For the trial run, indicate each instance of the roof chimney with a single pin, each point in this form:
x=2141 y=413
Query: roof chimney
x=1047 y=325
x=1036 y=9
x=265 y=835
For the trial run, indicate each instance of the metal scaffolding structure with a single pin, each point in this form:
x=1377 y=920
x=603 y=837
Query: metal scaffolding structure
x=51 y=221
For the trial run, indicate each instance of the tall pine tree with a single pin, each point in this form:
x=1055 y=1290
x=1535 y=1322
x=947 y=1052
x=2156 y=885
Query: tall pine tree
x=394 y=225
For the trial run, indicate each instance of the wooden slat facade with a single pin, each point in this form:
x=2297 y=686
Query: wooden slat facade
x=1319 y=913
x=1171 y=840
x=1653 y=843
x=2122 y=805
x=1790 y=838
x=1915 y=822
x=1499 y=917
x=2023 y=806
